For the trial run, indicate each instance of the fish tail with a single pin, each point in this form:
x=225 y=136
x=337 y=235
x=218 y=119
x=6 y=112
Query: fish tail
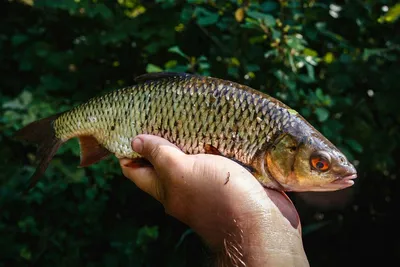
x=43 y=134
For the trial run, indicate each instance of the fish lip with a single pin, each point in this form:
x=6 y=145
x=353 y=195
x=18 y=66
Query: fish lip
x=349 y=177
x=346 y=180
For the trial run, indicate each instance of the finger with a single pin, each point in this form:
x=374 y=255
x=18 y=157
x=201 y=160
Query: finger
x=157 y=150
x=285 y=206
x=144 y=178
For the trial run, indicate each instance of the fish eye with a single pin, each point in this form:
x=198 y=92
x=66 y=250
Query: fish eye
x=320 y=161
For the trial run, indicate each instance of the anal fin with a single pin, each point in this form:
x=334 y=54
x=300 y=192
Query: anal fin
x=91 y=151
x=138 y=163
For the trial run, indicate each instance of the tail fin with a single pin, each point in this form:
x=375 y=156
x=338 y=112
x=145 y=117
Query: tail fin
x=42 y=133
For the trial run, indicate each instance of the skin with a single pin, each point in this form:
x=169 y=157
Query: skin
x=242 y=222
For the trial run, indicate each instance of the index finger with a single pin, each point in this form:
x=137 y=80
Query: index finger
x=285 y=206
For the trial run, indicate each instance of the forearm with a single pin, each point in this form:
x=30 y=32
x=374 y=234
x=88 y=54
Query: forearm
x=253 y=232
x=268 y=234
x=256 y=244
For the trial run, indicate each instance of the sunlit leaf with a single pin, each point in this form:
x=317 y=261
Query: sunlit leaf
x=177 y=50
x=153 y=68
x=391 y=15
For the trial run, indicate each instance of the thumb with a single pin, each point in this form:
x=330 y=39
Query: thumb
x=157 y=150
x=161 y=153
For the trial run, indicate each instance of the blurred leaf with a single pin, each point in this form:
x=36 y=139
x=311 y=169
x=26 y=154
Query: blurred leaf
x=25 y=253
x=19 y=39
x=265 y=18
x=205 y=17
x=268 y=6
x=177 y=50
x=391 y=15
x=310 y=52
x=308 y=229
x=103 y=10
x=329 y=57
x=147 y=234
x=239 y=14
x=153 y=68
x=355 y=145
x=322 y=114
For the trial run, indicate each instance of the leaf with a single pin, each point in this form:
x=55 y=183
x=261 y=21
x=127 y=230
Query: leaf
x=146 y=235
x=319 y=94
x=322 y=114
x=205 y=17
x=252 y=68
x=310 y=72
x=267 y=19
x=178 y=68
x=153 y=68
x=25 y=253
x=374 y=52
x=268 y=6
x=18 y=39
x=26 y=98
x=353 y=144
x=329 y=58
x=21 y=102
x=186 y=14
x=104 y=11
x=310 y=52
x=170 y=64
x=177 y=50
x=308 y=229
x=239 y=14
x=391 y=15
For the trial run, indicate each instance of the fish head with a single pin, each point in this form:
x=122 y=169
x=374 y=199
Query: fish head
x=309 y=163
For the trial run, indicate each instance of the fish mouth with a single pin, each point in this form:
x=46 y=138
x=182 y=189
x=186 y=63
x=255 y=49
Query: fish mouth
x=340 y=183
x=345 y=181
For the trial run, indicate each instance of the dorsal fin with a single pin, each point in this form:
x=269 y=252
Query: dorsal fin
x=161 y=75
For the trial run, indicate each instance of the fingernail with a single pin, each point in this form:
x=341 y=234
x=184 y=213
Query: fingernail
x=137 y=145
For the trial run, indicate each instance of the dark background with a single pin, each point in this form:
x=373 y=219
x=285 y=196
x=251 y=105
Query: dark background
x=336 y=62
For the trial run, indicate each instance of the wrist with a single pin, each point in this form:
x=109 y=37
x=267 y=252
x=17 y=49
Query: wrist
x=258 y=236
x=271 y=240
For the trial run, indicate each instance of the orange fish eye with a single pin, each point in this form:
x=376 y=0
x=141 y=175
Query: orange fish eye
x=320 y=163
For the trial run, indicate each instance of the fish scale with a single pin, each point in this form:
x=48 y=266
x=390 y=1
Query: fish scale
x=151 y=103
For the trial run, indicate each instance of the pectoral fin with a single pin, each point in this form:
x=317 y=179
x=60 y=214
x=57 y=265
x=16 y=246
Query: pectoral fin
x=91 y=151
x=209 y=149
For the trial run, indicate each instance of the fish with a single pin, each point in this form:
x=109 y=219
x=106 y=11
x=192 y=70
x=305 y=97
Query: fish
x=198 y=114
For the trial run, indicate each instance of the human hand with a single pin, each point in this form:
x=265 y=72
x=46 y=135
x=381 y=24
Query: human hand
x=247 y=224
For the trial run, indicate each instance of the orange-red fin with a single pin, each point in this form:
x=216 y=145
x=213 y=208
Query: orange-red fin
x=138 y=163
x=91 y=151
x=209 y=149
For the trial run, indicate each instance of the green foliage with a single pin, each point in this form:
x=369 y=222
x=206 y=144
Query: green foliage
x=335 y=62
